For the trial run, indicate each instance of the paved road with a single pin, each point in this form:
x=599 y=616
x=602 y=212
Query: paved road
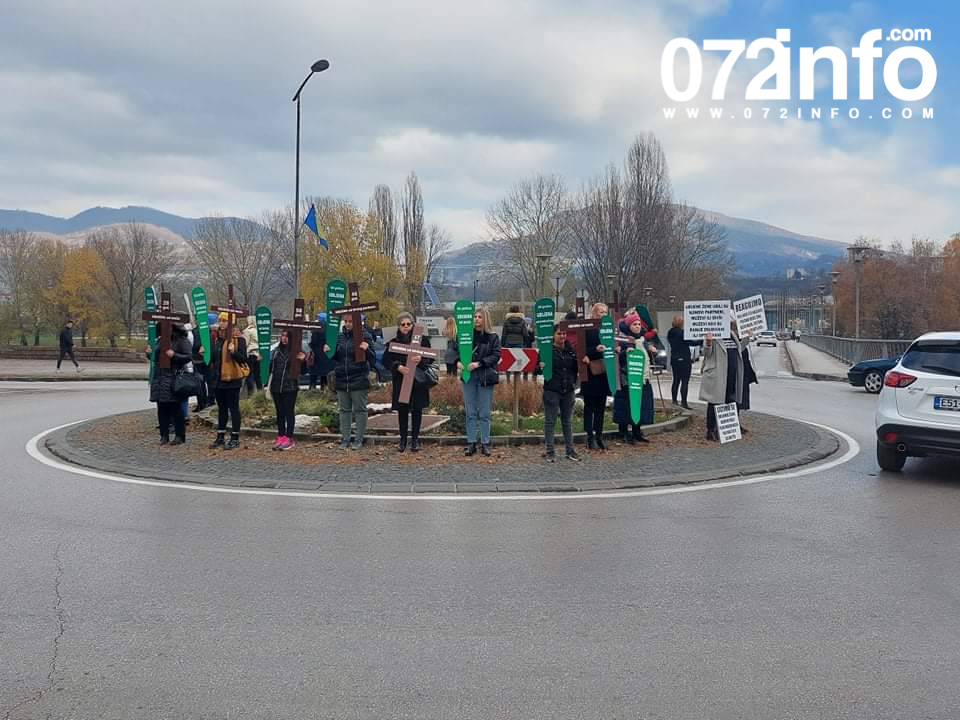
x=828 y=596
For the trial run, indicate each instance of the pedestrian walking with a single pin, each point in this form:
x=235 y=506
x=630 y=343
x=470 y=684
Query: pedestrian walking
x=596 y=389
x=558 y=396
x=409 y=415
x=353 y=380
x=66 y=345
x=283 y=389
x=169 y=410
x=478 y=391
x=228 y=370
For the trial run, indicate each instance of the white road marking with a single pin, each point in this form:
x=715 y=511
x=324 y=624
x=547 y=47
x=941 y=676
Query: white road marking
x=853 y=449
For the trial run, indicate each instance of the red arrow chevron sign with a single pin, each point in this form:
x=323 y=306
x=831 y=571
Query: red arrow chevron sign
x=518 y=360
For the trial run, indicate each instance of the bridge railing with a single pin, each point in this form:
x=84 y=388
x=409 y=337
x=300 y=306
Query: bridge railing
x=853 y=350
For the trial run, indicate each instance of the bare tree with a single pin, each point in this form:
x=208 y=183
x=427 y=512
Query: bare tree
x=134 y=258
x=384 y=215
x=531 y=231
x=242 y=253
x=19 y=254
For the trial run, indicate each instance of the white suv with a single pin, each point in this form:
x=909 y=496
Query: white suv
x=918 y=412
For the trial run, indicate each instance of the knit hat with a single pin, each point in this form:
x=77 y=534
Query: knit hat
x=223 y=317
x=631 y=317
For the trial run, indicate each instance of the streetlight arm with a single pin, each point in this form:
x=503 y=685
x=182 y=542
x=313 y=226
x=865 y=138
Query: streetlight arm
x=296 y=95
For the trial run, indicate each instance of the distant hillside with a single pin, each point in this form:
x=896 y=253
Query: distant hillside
x=759 y=249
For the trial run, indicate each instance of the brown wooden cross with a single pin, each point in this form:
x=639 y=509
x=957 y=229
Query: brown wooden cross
x=581 y=325
x=616 y=308
x=581 y=309
x=232 y=311
x=296 y=326
x=165 y=317
x=413 y=350
x=355 y=310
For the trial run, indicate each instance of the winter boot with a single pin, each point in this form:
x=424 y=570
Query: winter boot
x=234 y=442
x=218 y=443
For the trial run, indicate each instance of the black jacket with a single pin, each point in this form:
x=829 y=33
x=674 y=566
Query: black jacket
x=680 y=348
x=514 y=332
x=596 y=385
x=420 y=395
x=161 y=387
x=281 y=379
x=486 y=351
x=195 y=350
x=565 y=364
x=350 y=374
x=66 y=338
x=239 y=356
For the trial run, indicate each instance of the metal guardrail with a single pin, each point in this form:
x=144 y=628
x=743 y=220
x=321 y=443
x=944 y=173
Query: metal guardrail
x=853 y=350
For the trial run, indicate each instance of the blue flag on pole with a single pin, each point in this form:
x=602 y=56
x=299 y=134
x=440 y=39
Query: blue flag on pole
x=311 y=222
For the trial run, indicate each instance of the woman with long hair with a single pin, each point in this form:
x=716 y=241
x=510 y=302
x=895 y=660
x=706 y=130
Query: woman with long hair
x=284 y=388
x=596 y=389
x=478 y=391
x=453 y=350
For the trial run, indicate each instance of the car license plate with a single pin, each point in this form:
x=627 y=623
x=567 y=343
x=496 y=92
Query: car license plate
x=943 y=402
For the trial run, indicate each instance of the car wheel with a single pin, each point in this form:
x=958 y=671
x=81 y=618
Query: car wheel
x=889 y=459
x=873 y=382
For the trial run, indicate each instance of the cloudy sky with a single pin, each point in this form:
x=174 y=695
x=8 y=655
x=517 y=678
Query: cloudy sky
x=185 y=107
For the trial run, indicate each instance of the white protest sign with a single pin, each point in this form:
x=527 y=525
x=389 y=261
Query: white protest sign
x=750 y=315
x=728 y=422
x=706 y=316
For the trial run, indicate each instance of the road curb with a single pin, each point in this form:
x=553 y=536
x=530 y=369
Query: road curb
x=827 y=445
x=12 y=377
x=809 y=376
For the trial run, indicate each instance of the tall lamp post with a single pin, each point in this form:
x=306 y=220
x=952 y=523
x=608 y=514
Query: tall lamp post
x=318 y=66
x=543 y=262
x=556 y=301
x=857 y=254
x=821 y=288
x=833 y=295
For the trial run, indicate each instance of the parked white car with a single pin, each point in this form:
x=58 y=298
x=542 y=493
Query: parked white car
x=918 y=411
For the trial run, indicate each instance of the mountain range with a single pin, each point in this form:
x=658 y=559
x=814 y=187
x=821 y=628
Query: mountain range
x=759 y=249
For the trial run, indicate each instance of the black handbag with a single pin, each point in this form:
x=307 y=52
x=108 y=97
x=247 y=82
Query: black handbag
x=426 y=375
x=186 y=384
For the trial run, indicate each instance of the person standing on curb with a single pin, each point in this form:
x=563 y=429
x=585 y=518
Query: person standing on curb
x=478 y=392
x=66 y=345
x=632 y=432
x=251 y=337
x=353 y=380
x=514 y=332
x=284 y=388
x=228 y=369
x=202 y=370
x=681 y=361
x=409 y=415
x=558 y=396
x=596 y=389
x=169 y=409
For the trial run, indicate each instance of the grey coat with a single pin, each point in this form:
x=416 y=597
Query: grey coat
x=713 y=383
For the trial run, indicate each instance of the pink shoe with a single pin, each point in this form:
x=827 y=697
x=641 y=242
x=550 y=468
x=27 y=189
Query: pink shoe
x=289 y=444
x=278 y=445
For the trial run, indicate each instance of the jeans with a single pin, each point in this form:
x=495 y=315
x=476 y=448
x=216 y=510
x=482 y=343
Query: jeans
x=594 y=410
x=404 y=414
x=170 y=412
x=553 y=404
x=681 y=380
x=478 y=402
x=228 y=401
x=285 y=402
x=67 y=352
x=353 y=409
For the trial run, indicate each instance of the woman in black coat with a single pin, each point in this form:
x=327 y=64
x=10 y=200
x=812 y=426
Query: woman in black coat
x=408 y=414
x=228 y=365
x=161 y=387
x=681 y=361
x=632 y=327
x=558 y=395
x=596 y=389
x=284 y=388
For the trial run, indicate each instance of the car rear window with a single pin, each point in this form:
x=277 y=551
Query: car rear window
x=934 y=356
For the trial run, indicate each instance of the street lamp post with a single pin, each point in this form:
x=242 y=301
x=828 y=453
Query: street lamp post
x=833 y=294
x=543 y=262
x=556 y=302
x=318 y=66
x=857 y=254
x=821 y=288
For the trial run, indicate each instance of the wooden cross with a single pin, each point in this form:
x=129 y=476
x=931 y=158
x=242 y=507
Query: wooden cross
x=616 y=308
x=296 y=326
x=581 y=325
x=414 y=349
x=165 y=317
x=580 y=307
x=232 y=311
x=354 y=309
